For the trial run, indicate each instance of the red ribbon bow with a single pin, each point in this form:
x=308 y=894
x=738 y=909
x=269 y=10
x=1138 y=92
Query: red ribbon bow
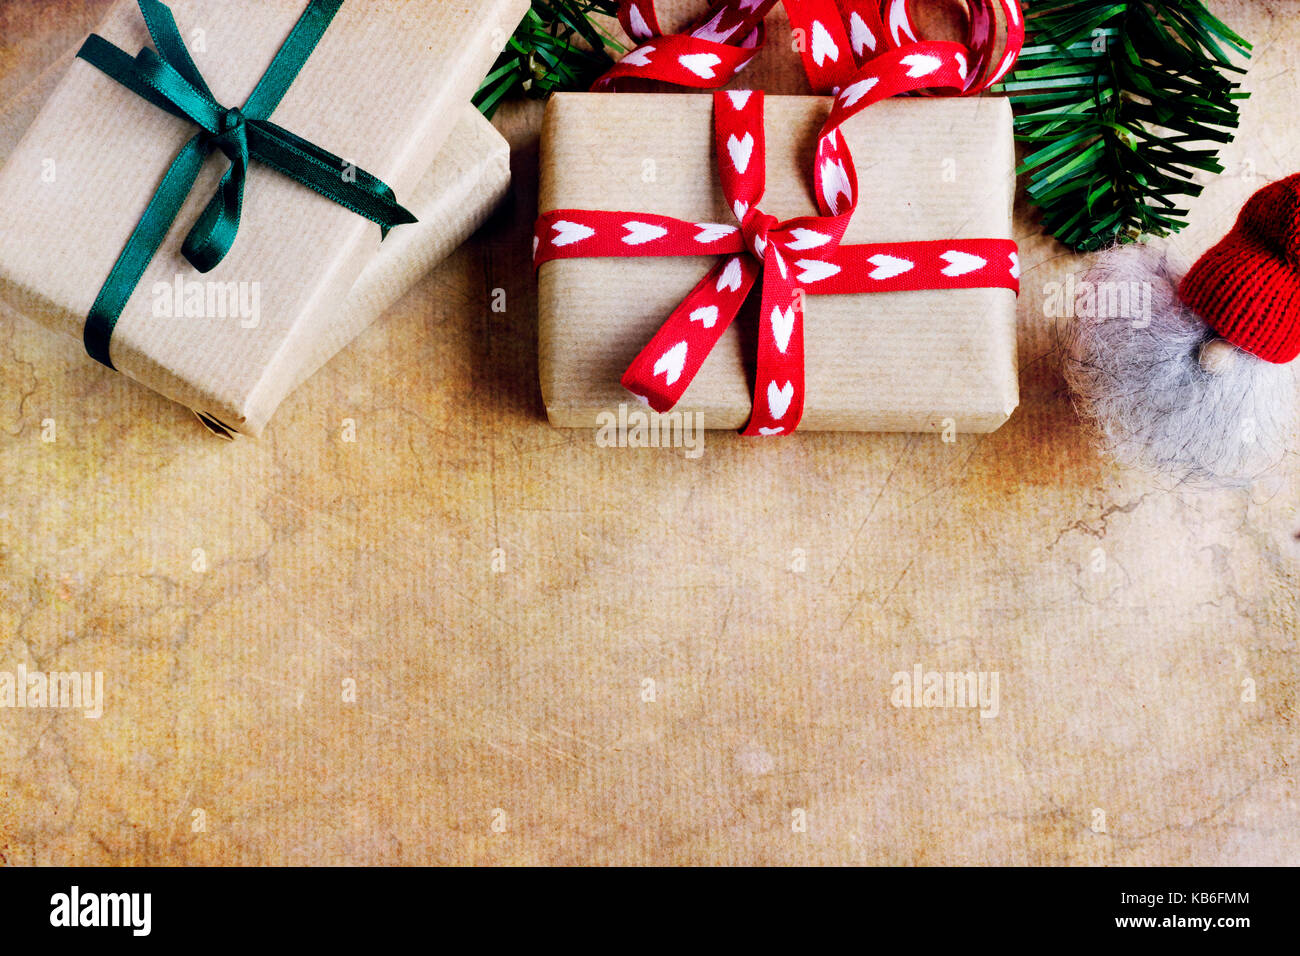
x=803 y=255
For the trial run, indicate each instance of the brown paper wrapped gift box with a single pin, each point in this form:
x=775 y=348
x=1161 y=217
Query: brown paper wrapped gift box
x=468 y=179
x=378 y=90
x=929 y=168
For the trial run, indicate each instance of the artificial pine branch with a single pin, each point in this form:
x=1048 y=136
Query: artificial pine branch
x=1121 y=103
x=560 y=45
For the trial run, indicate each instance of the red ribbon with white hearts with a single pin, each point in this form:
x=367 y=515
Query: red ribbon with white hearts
x=715 y=49
x=802 y=255
x=833 y=38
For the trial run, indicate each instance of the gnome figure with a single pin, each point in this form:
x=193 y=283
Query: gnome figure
x=1198 y=387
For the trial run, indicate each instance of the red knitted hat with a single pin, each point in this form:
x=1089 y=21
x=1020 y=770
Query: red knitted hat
x=1247 y=288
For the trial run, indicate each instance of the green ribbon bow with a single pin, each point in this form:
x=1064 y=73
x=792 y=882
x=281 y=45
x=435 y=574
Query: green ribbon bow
x=169 y=79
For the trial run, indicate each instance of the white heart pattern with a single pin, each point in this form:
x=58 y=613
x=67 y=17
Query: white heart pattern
x=730 y=278
x=639 y=57
x=782 y=327
x=567 y=233
x=835 y=182
x=921 y=64
x=889 y=266
x=712 y=231
x=769 y=432
x=740 y=209
x=741 y=149
x=536 y=242
x=860 y=35
x=760 y=246
x=855 y=91
x=960 y=263
x=703 y=65
x=1015 y=265
x=814 y=270
x=639 y=233
x=779 y=399
x=823 y=47
x=1005 y=65
x=961 y=64
x=898 y=24
x=707 y=315
x=711 y=31
x=806 y=239
x=739 y=98
x=671 y=363
x=639 y=27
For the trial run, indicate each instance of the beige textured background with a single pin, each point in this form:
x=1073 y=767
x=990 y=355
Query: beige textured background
x=1122 y=616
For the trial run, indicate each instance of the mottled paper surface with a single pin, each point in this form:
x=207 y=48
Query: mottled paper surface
x=502 y=714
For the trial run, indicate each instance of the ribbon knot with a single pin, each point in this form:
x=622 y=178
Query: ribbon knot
x=232 y=124
x=757 y=229
x=665 y=368
x=169 y=79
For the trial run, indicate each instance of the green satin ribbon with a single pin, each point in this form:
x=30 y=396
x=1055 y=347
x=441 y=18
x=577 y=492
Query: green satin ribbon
x=169 y=79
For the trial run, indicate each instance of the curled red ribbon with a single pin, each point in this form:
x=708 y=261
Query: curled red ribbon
x=863 y=52
x=834 y=38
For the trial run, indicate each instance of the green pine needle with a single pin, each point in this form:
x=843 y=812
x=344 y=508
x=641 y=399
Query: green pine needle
x=560 y=45
x=1123 y=103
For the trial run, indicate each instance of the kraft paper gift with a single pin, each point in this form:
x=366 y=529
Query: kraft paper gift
x=387 y=86
x=929 y=168
x=468 y=179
